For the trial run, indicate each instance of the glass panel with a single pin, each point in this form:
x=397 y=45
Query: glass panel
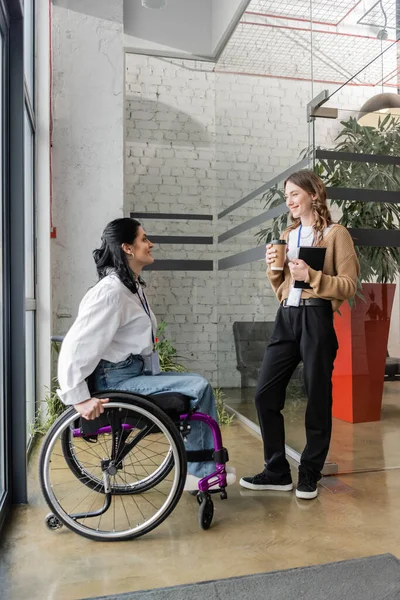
x=29 y=211
x=265 y=78
x=29 y=46
x=245 y=324
x=366 y=391
x=30 y=370
x=261 y=131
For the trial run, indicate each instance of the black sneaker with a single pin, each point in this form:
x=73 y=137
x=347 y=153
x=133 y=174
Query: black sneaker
x=306 y=486
x=266 y=481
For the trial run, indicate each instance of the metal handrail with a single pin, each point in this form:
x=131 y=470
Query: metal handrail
x=266 y=186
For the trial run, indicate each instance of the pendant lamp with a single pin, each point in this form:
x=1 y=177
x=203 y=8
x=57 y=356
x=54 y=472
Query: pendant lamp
x=377 y=107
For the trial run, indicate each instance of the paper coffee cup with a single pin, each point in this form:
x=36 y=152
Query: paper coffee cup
x=279 y=262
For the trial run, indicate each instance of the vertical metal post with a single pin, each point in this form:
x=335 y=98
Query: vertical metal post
x=16 y=264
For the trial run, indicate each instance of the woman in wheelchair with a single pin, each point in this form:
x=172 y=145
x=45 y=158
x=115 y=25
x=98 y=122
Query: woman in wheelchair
x=110 y=346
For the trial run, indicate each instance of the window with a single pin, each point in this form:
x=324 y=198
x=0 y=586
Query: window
x=17 y=246
x=2 y=192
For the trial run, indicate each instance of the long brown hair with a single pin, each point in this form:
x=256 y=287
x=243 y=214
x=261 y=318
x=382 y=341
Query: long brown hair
x=309 y=182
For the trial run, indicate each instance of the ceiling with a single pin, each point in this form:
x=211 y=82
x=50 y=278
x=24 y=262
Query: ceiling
x=329 y=41
x=182 y=28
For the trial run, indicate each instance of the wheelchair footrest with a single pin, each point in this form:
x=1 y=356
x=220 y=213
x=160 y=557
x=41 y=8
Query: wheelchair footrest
x=200 y=455
x=219 y=456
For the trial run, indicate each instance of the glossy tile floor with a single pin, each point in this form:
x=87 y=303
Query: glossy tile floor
x=252 y=532
x=354 y=447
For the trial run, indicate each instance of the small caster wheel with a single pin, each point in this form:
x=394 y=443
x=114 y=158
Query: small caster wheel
x=52 y=522
x=223 y=495
x=206 y=511
x=199 y=498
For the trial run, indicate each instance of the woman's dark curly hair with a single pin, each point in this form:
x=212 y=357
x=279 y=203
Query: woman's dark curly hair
x=110 y=255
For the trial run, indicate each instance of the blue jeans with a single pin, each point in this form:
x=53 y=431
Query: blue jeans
x=127 y=376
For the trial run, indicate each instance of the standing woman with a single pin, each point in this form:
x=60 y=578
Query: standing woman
x=112 y=341
x=303 y=332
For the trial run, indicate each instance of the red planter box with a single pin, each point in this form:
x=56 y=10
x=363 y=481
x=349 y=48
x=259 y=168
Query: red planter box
x=359 y=369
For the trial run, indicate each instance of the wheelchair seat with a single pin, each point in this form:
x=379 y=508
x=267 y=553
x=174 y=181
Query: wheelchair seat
x=172 y=402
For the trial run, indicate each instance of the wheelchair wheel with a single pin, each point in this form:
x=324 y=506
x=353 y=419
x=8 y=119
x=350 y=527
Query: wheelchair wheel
x=206 y=510
x=136 y=471
x=78 y=453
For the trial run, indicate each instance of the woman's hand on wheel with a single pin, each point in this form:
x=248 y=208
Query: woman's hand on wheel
x=92 y=408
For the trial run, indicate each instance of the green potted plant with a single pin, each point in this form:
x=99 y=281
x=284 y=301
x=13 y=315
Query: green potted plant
x=362 y=330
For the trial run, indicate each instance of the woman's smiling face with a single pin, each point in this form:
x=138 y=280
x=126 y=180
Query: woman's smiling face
x=298 y=201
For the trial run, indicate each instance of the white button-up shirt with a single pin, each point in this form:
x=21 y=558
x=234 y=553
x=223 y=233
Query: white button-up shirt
x=111 y=324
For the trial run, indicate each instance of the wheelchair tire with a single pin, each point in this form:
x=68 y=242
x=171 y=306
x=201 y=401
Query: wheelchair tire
x=123 y=403
x=206 y=510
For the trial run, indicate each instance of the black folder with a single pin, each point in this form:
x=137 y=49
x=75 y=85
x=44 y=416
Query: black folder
x=315 y=258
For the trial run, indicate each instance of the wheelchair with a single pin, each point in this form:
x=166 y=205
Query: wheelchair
x=121 y=475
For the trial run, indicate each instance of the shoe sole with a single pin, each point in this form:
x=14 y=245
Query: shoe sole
x=306 y=495
x=271 y=488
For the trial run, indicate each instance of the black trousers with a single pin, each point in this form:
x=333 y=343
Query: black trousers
x=301 y=333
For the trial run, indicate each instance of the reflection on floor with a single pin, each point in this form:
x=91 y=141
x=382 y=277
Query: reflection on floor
x=363 y=446
x=252 y=532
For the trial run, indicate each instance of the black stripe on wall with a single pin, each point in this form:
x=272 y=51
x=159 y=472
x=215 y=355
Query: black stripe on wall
x=389 y=238
x=242 y=258
x=180 y=265
x=363 y=195
x=180 y=239
x=353 y=157
x=170 y=216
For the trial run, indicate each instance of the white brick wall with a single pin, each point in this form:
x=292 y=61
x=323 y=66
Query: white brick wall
x=87 y=149
x=170 y=167
x=196 y=142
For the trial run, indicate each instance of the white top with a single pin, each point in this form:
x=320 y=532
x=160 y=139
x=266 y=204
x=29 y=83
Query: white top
x=111 y=324
x=306 y=239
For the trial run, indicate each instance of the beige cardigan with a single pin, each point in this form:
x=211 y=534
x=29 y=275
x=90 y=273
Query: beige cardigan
x=338 y=279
